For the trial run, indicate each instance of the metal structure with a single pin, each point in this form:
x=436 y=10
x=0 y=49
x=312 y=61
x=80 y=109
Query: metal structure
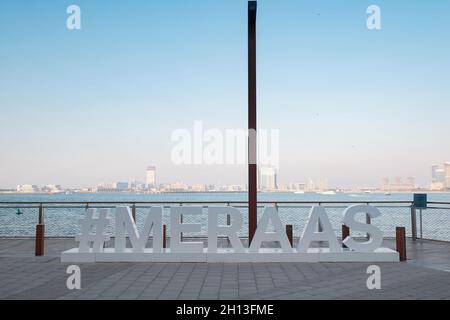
x=61 y=219
x=252 y=135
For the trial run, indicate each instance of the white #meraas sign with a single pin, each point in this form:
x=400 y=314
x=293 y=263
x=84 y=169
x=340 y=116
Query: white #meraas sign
x=92 y=238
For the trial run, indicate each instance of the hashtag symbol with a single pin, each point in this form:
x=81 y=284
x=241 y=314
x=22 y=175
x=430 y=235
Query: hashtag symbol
x=92 y=231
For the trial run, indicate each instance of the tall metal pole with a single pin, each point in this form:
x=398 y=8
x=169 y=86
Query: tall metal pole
x=252 y=149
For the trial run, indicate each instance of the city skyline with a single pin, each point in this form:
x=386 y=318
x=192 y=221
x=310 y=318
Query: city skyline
x=352 y=105
x=285 y=181
x=439 y=180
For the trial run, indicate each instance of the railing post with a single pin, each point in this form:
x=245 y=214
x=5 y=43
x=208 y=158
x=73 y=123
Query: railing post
x=181 y=221
x=400 y=238
x=421 y=223
x=345 y=234
x=164 y=236
x=228 y=224
x=41 y=214
x=133 y=212
x=40 y=233
x=413 y=223
x=289 y=234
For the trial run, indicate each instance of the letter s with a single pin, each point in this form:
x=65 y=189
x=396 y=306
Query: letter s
x=375 y=235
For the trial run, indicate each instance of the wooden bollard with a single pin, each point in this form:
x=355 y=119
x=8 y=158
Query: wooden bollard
x=400 y=237
x=345 y=234
x=40 y=232
x=164 y=236
x=289 y=234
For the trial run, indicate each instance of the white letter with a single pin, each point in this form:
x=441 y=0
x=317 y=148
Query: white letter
x=213 y=152
x=279 y=234
x=74 y=20
x=236 y=150
x=125 y=224
x=177 y=228
x=230 y=231
x=92 y=231
x=74 y=280
x=318 y=216
x=374 y=281
x=374 y=21
x=181 y=153
x=269 y=151
x=198 y=142
x=375 y=235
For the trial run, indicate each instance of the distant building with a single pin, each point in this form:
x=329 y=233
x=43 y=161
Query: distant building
x=150 y=179
x=447 y=174
x=439 y=180
x=121 y=186
x=295 y=186
x=105 y=187
x=440 y=176
x=410 y=181
x=398 y=184
x=310 y=185
x=268 y=179
x=137 y=185
x=27 y=188
x=198 y=188
x=51 y=188
x=434 y=169
x=385 y=183
x=322 y=184
x=179 y=186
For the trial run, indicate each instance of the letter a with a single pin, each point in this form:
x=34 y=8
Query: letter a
x=74 y=20
x=270 y=215
x=374 y=20
x=74 y=280
x=374 y=280
x=318 y=216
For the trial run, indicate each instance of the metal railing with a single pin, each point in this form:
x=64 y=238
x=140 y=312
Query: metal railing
x=399 y=219
x=19 y=219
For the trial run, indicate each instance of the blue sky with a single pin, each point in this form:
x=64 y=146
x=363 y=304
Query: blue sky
x=99 y=104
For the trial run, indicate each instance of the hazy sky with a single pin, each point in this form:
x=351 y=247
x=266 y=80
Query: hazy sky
x=99 y=104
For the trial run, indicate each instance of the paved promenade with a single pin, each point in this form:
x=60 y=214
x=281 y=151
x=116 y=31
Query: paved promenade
x=22 y=276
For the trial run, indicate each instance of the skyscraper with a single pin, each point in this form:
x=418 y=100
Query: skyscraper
x=447 y=174
x=268 y=179
x=385 y=184
x=150 y=179
x=121 y=186
x=438 y=178
x=411 y=182
x=434 y=174
x=438 y=175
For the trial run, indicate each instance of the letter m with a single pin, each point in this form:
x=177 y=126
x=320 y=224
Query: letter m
x=126 y=226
